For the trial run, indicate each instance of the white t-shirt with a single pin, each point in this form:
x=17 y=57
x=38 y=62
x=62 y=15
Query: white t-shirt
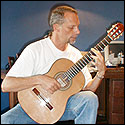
x=38 y=57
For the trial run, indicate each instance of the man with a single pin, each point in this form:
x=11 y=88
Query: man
x=36 y=60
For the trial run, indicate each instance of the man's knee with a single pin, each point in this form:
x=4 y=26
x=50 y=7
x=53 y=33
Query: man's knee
x=91 y=98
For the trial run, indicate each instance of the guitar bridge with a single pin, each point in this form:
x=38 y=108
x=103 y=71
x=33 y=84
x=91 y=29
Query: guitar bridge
x=49 y=106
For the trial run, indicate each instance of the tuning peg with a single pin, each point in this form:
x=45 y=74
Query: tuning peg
x=121 y=34
x=113 y=26
x=118 y=37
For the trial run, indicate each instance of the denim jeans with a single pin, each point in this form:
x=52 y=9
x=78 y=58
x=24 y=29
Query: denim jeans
x=81 y=107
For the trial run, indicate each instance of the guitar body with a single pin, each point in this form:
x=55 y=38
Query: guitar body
x=48 y=108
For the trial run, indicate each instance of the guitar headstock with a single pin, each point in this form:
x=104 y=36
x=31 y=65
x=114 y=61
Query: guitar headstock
x=116 y=31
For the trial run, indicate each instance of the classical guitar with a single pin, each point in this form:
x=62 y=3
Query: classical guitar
x=46 y=108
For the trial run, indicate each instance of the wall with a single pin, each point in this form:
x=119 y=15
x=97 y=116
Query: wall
x=22 y=21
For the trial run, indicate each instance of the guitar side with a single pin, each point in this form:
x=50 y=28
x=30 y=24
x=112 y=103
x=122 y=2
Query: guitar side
x=48 y=108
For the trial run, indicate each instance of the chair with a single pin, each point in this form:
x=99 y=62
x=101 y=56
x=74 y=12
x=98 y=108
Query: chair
x=12 y=95
x=11 y=61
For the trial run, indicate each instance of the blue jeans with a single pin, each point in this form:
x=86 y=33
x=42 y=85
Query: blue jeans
x=81 y=107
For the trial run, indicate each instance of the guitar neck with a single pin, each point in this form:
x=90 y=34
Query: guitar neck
x=81 y=63
x=115 y=31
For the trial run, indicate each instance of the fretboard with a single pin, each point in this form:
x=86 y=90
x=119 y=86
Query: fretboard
x=81 y=63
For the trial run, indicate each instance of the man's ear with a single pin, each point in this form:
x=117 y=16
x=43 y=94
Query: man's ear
x=56 y=27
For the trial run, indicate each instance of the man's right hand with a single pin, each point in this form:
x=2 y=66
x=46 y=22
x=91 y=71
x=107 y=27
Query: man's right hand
x=48 y=83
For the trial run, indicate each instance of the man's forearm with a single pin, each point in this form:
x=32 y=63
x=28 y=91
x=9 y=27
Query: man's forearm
x=93 y=84
x=14 y=84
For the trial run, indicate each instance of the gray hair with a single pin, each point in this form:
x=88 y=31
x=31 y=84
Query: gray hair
x=56 y=15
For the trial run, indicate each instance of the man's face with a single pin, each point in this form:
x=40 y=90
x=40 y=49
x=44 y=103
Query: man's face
x=70 y=28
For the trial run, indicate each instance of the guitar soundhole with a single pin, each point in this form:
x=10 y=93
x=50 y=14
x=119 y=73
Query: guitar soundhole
x=63 y=80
